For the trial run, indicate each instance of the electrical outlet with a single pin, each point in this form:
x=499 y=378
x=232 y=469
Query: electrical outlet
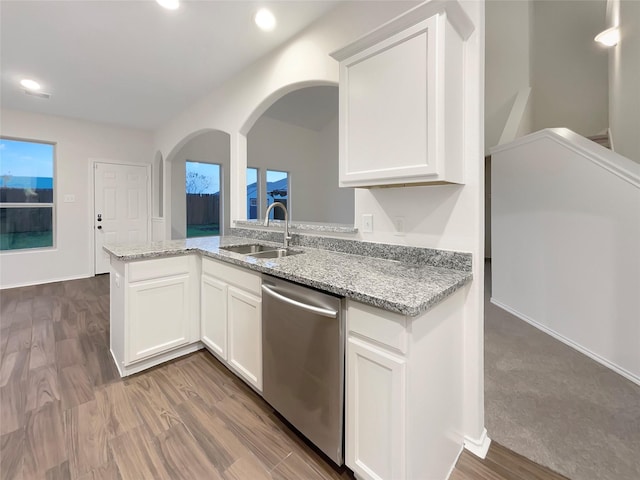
x=398 y=224
x=367 y=223
x=69 y=198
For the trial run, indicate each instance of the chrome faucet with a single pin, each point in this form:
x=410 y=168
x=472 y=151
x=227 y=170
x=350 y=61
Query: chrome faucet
x=287 y=237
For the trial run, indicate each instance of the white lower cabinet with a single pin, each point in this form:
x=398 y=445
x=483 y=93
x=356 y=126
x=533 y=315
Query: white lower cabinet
x=231 y=318
x=375 y=409
x=213 y=315
x=154 y=314
x=245 y=335
x=158 y=310
x=403 y=391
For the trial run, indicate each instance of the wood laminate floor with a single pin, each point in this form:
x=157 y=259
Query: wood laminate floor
x=66 y=414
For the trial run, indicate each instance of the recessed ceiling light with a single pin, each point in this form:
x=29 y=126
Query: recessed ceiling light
x=30 y=84
x=169 y=4
x=265 y=20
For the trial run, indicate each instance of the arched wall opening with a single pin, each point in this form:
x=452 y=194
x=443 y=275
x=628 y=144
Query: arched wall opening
x=204 y=146
x=295 y=130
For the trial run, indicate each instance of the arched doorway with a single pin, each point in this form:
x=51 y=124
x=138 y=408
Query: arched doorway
x=206 y=148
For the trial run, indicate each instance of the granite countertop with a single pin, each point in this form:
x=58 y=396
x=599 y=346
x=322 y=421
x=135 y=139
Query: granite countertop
x=408 y=287
x=299 y=226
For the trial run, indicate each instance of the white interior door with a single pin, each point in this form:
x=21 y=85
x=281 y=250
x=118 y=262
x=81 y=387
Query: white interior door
x=121 y=207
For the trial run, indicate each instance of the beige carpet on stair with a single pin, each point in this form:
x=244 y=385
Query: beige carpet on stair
x=555 y=405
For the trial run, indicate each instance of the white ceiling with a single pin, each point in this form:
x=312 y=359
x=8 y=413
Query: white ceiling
x=133 y=63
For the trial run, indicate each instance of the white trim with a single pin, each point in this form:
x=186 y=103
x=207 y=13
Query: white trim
x=157 y=229
x=478 y=446
x=455 y=462
x=516 y=115
x=42 y=282
x=610 y=135
x=156 y=359
x=452 y=9
x=613 y=162
x=594 y=356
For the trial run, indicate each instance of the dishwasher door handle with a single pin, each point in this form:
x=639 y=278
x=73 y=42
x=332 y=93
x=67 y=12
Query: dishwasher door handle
x=325 y=312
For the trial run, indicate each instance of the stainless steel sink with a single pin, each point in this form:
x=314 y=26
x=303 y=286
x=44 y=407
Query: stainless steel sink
x=261 y=251
x=248 y=249
x=279 y=253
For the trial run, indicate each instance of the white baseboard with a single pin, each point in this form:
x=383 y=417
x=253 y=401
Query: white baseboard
x=42 y=282
x=453 y=467
x=478 y=446
x=594 y=356
x=156 y=360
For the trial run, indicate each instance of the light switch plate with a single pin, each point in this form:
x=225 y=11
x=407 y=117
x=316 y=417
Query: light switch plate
x=367 y=223
x=69 y=198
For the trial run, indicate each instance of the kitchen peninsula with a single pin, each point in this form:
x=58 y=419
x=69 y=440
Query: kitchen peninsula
x=403 y=338
x=401 y=279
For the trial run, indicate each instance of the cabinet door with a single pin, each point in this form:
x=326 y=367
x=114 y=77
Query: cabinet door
x=213 y=315
x=159 y=316
x=375 y=412
x=245 y=335
x=389 y=110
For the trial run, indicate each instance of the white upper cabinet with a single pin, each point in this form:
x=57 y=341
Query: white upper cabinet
x=401 y=100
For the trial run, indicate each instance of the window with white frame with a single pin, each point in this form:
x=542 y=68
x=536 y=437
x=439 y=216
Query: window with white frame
x=277 y=191
x=27 y=206
x=252 y=193
x=204 y=203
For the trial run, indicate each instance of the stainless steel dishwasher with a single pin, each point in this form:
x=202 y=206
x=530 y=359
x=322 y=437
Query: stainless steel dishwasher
x=303 y=361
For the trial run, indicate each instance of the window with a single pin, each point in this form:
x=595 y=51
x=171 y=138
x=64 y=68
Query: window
x=277 y=191
x=26 y=194
x=203 y=199
x=252 y=193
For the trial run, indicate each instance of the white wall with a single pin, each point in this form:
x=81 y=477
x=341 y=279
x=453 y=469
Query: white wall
x=207 y=147
x=507 y=71
x=549 y=46
x=624 y=78
x=565 y=245
x=76 y=143
x=311 y=158
x=338 y=203
x=448 y=217
x=507 y=65
x=235 y=105
x=569 y=70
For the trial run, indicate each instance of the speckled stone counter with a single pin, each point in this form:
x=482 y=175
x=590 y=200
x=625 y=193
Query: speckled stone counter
x=294 y=226
x=400 y=279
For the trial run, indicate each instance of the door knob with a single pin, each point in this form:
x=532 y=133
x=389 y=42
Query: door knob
x=99 y=227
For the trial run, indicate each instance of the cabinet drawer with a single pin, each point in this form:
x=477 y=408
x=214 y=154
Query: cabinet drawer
x=386 y=328
x=237 y=276
x=157 y=268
